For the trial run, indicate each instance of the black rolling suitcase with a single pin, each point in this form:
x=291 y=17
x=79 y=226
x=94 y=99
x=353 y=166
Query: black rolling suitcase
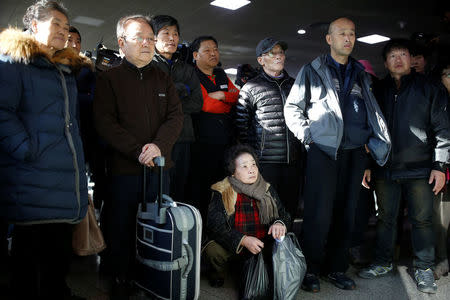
x=168 y=246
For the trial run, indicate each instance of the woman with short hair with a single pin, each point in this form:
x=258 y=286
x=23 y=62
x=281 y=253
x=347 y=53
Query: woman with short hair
x=43 y=189
x=245 y=214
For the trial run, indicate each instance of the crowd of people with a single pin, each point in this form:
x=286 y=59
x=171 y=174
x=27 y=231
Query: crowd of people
x=244 y=157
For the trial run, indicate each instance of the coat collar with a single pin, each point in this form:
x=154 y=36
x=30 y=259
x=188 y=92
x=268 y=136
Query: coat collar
x=229 y=196
x=21 y=47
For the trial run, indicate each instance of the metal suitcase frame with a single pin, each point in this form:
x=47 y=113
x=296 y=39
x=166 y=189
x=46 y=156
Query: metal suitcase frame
x=168 y=246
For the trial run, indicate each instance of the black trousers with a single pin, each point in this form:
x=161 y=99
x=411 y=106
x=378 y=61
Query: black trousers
x=331 y=196
x=364 y=210
x=287 y=181
x=41 y=257
x=3 y=242
x=207 y=167
x=181 y=156
x=121 y=210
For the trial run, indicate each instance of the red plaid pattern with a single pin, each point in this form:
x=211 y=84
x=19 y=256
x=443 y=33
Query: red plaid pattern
x=246 y=218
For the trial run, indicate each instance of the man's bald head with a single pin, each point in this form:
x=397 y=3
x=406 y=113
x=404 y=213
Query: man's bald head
x=341 y=38
x=338 y=23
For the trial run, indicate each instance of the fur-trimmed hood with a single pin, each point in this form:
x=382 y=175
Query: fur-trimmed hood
x=21 y=47
x=86 y=62
x=229 y=195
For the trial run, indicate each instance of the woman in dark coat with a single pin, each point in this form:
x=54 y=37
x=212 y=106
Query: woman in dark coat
x=245 y=214
x=43 y=188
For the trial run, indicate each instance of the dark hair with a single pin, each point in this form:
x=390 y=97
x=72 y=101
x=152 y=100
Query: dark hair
x=195 y=45
x=74 y=30
x=419 y=49
x=396 y=44
x=245 y=72
x=234 y=152
x=161 y=21
x=40 y=11
x=437 y=71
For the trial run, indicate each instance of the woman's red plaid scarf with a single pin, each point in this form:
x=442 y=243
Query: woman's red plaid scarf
x=246 y=218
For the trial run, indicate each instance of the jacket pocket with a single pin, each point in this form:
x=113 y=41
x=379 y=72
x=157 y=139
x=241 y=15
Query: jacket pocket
x=162 y=103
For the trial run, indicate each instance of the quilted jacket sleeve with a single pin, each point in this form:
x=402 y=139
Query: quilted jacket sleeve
x=14 y=138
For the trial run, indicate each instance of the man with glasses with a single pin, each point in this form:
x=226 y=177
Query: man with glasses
x=332 y=110
x=138 y=113
x=260 y=122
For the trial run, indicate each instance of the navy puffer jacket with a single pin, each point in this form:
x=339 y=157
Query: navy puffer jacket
x=42 y=177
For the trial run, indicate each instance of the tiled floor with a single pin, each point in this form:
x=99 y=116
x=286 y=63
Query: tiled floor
x=86 y=282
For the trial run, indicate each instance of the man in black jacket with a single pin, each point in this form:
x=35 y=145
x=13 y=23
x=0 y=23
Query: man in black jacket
x=138 y=113
x=260 y=122
x=167 y=31
x=213 y=125
x=415 y=109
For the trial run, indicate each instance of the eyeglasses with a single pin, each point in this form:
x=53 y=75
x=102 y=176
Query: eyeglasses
x=141 y=40
x=446 y=74
x=273 y=54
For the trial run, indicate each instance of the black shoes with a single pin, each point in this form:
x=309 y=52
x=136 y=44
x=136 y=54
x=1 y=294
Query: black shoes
x=341 y=280
x=311 y=283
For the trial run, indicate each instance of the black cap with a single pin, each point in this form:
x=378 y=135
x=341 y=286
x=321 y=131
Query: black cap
x=267 y=44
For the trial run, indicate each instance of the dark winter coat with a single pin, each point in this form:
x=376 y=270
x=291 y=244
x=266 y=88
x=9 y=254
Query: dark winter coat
x=418 y=122
x=86 y=87
x=188 y=88
x=260 y=119
x=133 y=107
x=42 y=178
x=221 y=211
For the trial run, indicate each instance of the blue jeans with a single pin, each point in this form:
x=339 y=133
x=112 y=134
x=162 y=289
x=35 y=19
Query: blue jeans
x=419 y=196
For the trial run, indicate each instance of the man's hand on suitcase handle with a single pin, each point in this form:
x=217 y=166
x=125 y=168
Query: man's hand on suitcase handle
x=149 y=152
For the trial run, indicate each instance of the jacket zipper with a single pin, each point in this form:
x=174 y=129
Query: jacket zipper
x=283 y=99
x=70 y=140
x=394 y=108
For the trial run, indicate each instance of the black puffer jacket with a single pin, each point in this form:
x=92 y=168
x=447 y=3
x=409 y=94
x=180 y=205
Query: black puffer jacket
x=418 y=124
x=260 y=119
x=188 y=87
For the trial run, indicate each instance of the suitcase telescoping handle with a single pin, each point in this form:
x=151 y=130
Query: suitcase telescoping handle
x=160 y=162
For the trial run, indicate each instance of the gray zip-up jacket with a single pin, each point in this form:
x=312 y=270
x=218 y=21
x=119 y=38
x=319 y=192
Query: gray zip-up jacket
x=313 y=113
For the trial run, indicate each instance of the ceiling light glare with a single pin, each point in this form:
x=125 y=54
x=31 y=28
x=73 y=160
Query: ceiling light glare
x=230 y=4
x=373 y=39
x=231 y=71
x=301 y=31
x=88 y=21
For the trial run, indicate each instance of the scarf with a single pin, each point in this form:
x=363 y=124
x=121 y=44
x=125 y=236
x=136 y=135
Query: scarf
x=260 y=192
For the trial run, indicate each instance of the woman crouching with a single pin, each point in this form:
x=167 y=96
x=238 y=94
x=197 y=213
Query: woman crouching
x=245 y=215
